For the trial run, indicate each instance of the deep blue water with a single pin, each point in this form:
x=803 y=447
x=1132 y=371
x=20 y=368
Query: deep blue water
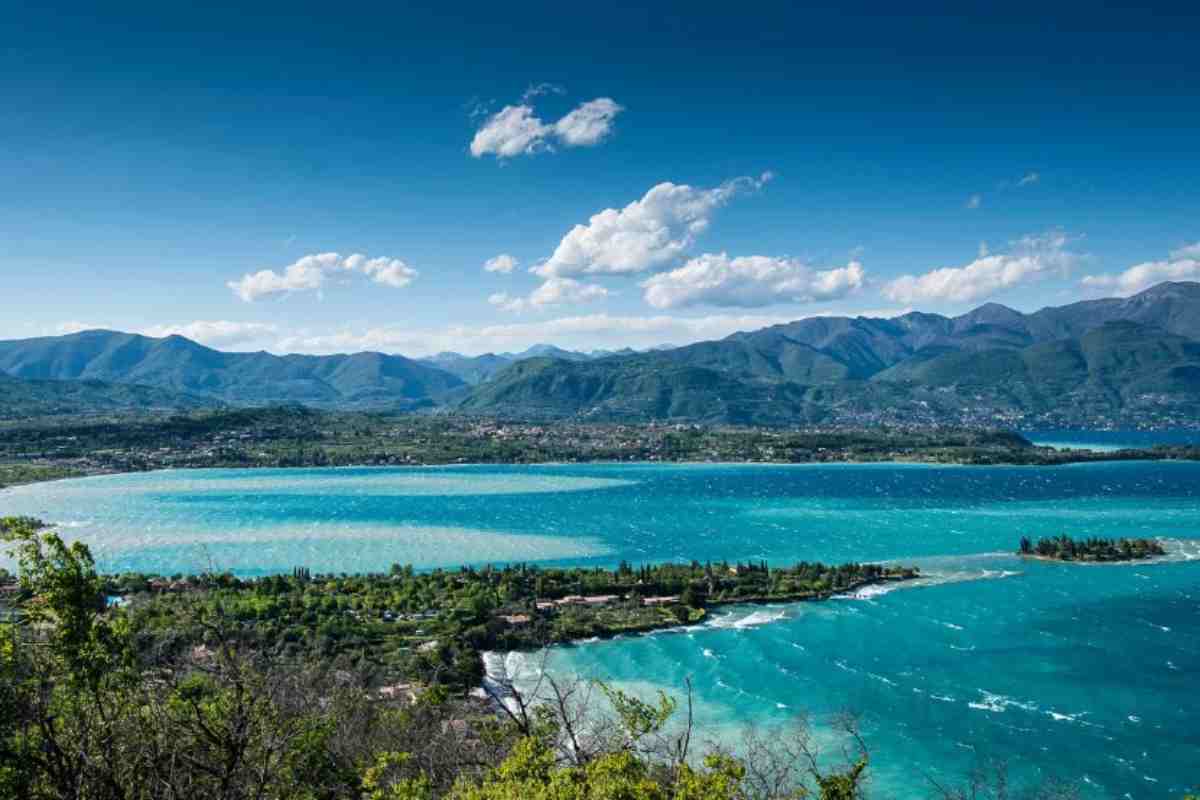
x=1084 y=672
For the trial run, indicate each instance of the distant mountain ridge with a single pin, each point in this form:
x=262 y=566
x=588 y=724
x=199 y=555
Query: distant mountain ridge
x=477 y=369
x=1099 y=357
x=182 y=366
x=1087 y=362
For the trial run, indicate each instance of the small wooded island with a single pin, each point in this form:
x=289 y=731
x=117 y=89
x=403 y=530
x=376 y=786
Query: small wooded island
x=1064 y=548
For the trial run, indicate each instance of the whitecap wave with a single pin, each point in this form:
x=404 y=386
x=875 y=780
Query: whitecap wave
x=754 y=619
x=998 y=703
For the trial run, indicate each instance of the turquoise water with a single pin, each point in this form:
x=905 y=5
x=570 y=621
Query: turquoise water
x=1084 y=672
x=1108 y=441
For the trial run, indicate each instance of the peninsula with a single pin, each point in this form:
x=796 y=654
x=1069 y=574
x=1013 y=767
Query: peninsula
x=433 y=626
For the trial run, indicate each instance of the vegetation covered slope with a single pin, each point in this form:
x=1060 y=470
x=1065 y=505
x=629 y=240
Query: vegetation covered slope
x=1131 y=360
x=1098 y=358
x=177 y=364
x=44 y=398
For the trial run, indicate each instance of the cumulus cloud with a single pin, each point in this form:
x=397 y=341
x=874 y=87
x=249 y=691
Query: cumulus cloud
x=588 y=124
x=566 y=291
x=511 y=131
x=647 y=233
x=517 y=130
x=1030 y=258
x=310 y=273
x=503 y=263
x=507 y=302
x=715 y=279
x=553 y=292
x=1183 y=265
x=387 y=271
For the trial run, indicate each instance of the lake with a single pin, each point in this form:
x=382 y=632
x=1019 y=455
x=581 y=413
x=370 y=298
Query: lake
x=1086 y=672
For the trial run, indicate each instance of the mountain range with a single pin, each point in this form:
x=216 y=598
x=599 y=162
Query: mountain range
x=178 y=365
x=1097 y=358
x=1091 y=361
x=477 y=369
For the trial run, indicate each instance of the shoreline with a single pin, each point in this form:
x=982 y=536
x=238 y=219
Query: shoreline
x=1084 y=562
x=1070 y=458
x=759 y=600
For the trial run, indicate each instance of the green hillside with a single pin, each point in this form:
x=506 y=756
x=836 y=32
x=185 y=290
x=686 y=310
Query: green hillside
x=1095 y=360
x=179 y=365
x=40 y=398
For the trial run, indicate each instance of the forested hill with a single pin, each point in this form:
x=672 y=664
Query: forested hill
x=1132 y=359
x=46 y=398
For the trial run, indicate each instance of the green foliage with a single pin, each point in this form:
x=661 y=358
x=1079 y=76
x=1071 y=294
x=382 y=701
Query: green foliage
x=432 y=626
x=637 y=717
x=68 y=599
x=842 y=785
x=1064 y=548
x=531 y=773
x=379 y=781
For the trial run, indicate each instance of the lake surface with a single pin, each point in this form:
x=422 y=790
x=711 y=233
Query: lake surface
x=1085 y=672
x=1109 y=441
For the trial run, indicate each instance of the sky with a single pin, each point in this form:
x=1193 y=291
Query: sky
x=483 y=177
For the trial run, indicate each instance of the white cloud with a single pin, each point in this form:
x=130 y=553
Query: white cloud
x=1029 y=178
x=217 y=333
x=1184 y=264
x=511 y=131
x=75 y=326
x=584 y=332
x=507 y=302
x=310 y=272
x=588 y=124
x=503 y=263
x=539 y=89
x=1188 y=251
x=1030 y=258
x=390 y=272
x=647 y=233
x=974 y=201
x=516 y=130
x=715 y=279
x=566 y=291
x=553 y=292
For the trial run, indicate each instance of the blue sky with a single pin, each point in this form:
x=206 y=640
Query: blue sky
x=669 y=174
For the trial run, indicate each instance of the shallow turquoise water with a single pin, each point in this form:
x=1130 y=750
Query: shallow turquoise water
x=1108 y=441
x=1085 y=672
